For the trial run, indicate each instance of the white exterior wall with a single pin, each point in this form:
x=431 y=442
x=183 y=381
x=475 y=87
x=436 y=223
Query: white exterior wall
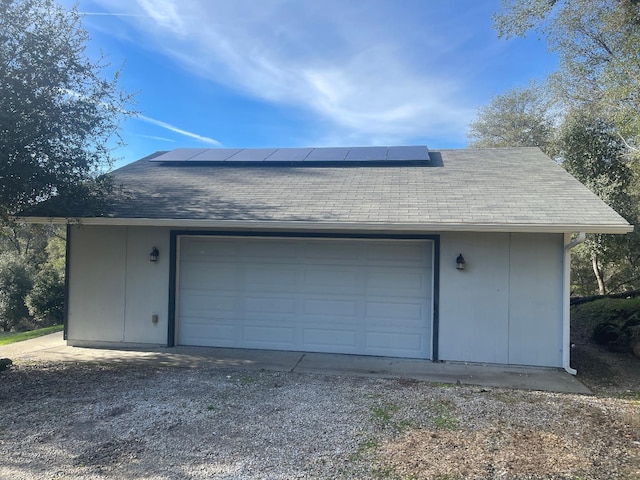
x=506 y=306
x=113 y=287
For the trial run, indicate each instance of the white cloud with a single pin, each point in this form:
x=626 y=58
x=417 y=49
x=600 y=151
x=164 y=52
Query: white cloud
x=375 y=69
x=164 y=13
x=173 y=128
x=160 y=139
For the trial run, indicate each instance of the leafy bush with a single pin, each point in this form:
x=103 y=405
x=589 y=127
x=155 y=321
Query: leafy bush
x=15 y=283
x=46 y=299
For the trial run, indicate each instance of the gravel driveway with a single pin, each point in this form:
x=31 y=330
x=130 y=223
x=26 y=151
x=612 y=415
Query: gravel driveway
x=84 y=421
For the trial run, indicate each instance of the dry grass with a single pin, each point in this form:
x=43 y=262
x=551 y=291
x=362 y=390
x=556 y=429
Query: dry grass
x=510 y=435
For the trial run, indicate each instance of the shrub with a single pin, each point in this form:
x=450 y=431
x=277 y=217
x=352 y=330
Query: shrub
x=46 y=299
x=15 y=284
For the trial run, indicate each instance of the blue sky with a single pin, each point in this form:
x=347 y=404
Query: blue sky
x=290 y=73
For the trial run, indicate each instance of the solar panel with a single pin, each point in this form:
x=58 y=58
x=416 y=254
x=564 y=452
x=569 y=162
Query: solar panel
x=252 y=155
x=290 y=155
x=329 y=154
x=215 y=155
x=367 y=154
x=343 y=156
x=413 y=152
x=179 y=155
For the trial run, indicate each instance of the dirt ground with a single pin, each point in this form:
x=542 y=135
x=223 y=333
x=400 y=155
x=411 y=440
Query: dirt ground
x=79 y=421
x=589 y=438
x=605 y=373
x=580 y=438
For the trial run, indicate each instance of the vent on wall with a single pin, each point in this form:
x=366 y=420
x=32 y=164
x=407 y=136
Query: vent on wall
x=333 y=156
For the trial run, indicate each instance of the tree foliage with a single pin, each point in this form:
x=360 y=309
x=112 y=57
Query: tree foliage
x=32 y=272
x=594 y=127
x=593 y=153
x=16 y=280
x=598 y=42
x=45 y=301
x=521 y=117
x=58 y=116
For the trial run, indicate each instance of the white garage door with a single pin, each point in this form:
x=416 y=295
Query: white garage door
x=367 y=297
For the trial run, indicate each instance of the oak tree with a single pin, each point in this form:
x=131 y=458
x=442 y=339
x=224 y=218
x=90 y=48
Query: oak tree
x=59 y=113
x=522 y=117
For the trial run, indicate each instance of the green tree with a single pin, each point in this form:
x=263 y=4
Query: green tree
x=522 y=117
x=45 y=300
x=592 y=152
x=16 y=281
x=32 y=272
x=598 y=42
x=59 y=117
x=26 y=241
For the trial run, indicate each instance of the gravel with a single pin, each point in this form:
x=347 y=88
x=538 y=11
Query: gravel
x=89 y=421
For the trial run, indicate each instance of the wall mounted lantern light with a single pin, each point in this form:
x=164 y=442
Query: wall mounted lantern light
x=460 y=263
x=153 y=256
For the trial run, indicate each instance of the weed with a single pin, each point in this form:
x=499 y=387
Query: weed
x=382 y=413
x=387 y=473
x=442 y=385
x=445 y=419
x=248 y=379
x=632 y=419
x=505 y=398
x=446 y=423
x=633 y=396
x=211 y=408
x=365 y=448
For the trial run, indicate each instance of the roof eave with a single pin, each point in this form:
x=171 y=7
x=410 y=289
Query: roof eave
x=617 y=228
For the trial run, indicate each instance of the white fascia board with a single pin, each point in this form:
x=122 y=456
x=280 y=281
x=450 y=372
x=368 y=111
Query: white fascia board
x=337 y=226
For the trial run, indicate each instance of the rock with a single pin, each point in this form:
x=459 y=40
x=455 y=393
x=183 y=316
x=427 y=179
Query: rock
x=5 y=363
x=605 y=333
x=634 y=339
x=632 y=321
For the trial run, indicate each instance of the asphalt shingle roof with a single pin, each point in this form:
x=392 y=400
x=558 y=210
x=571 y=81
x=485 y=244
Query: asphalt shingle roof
x=466 y=188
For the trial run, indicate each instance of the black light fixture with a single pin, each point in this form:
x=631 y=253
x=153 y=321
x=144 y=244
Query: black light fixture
x=460 y=262
x=153 y=256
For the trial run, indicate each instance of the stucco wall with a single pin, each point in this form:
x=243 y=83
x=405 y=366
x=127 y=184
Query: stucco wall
x=506 y=306
x=114 y=289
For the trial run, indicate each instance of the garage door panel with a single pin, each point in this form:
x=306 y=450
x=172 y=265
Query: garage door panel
x=343 y=296
x=272 y=278
x=393 y=324
x=262 y=336
x=326 y=279
x=397 y=254
x=199 y=301
x=330 y=339
x=398 y=282
x=270 y=252
x=382 y=342
x=396 y=311
x=199 y=331
x=224 y=276
x=338 y=308
x=201 y=249
x=266 y=305
x=322 y=252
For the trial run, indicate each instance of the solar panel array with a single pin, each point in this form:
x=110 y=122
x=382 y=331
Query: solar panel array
x=338 y=156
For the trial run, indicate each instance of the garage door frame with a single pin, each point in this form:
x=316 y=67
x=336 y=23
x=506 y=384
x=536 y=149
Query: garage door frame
x=173 y=271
